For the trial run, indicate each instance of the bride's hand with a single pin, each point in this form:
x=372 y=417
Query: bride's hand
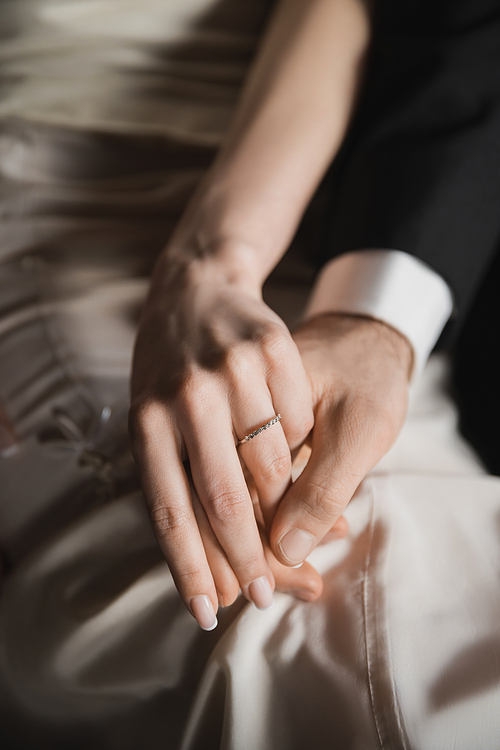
x=212 y=363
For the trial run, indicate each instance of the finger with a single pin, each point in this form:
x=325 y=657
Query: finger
x=219 y=482
x=341 y=528
x=346 y=443
x=226 y=582
x=304 y=582
x=338 y=531
x=300 y=457
x=291 y=394
x=168 y=499
x=266 y=455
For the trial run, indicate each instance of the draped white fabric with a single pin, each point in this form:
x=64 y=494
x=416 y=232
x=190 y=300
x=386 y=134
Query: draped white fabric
x=109 y=113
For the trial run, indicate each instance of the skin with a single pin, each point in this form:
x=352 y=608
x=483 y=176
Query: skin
x=204 y=336
x=342 y=383
x=359 y=372
x=213 y=362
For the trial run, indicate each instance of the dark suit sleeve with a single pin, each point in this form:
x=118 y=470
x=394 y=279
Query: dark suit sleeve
x=420 y=170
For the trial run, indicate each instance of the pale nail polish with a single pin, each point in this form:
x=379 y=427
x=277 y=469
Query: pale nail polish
x=261 y=593
x=202 y=609
x=296 y=544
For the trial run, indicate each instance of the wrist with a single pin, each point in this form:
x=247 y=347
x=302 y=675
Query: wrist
x=390 y=286
x=393 y=340
x=219 y=262
x=372 y=334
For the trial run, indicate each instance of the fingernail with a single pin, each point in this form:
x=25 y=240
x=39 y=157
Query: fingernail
x=202 y=609
x=261 y=593
x=305 y=594
x=296 y=544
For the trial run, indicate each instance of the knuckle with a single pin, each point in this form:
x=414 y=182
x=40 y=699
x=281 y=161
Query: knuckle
x=191 y=390
x=189 y=578
x=197 y=397
x=226 y=503
x=240 y=366
x=144 y=418
x=277 y=466
x=322 y=503
x=168 y=518
x=252 y=566
x=274 y=344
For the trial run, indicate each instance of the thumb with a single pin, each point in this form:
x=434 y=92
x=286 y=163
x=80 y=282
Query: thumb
x=344 y=448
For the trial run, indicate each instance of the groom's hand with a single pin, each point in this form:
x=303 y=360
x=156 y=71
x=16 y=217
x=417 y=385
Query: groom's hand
x=359 y=373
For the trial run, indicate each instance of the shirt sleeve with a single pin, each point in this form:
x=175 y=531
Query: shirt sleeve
x=391 y=286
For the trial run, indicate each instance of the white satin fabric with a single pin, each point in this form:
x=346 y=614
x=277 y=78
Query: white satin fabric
x=100 y=144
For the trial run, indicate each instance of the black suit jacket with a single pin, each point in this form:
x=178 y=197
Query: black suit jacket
x=420 y=172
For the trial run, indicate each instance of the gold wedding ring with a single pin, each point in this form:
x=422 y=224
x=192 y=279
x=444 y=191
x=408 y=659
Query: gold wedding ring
x=256 y=432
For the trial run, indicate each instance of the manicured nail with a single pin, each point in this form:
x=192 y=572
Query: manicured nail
x=202 y=609
x=296 y=544
x=305 y=594
x=261 y=593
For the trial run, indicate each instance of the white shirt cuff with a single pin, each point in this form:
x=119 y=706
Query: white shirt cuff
x=390 y=286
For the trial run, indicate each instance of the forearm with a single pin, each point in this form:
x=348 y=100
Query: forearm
x=290 y=122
